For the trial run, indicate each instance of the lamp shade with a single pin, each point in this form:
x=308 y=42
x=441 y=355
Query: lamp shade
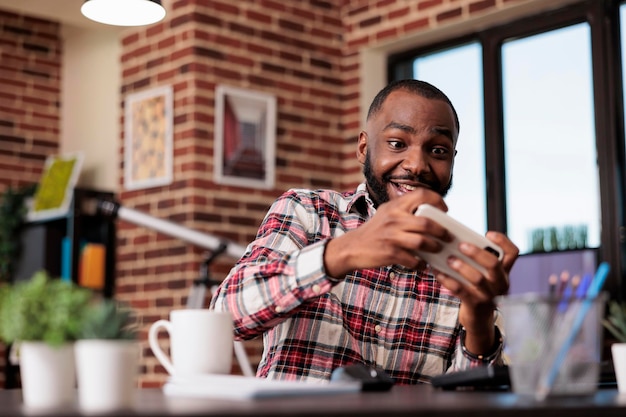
x=124 y=12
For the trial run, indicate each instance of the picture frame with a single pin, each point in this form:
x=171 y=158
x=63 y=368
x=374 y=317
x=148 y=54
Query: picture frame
x=148 y=138
x=245 y=137
x=55 y=191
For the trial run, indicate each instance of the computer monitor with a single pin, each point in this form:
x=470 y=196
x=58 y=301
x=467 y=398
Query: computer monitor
x=531 y=271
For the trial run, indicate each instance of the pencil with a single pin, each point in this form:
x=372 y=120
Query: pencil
x=553 y=280
x=574 y=282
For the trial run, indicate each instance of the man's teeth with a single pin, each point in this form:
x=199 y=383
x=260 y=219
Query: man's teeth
x=408 y=187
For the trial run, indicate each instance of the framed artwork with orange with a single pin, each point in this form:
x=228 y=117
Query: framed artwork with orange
x=148 y=142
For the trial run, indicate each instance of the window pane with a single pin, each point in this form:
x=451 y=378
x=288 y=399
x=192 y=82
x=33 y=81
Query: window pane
x=458 y=73
x=550 y=154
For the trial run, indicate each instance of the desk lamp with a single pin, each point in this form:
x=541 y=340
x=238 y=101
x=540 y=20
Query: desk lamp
x=215 y=245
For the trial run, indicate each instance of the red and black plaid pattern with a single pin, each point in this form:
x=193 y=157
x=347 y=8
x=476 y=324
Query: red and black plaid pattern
x=401 y=320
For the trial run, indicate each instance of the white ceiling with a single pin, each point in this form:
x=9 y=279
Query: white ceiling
x=64 y=11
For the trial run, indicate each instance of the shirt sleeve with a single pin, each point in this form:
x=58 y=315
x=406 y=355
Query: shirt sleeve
x=281 y=269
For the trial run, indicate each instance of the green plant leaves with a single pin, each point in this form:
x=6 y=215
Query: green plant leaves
x=107 y=319
x=56 y=312
x=42 y=309
x=616 y=321
x=12 y=212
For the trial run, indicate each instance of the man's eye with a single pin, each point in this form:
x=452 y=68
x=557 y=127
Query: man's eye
x=396 y=144
x=440 y=151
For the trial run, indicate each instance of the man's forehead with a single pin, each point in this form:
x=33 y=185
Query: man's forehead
x=395 y=114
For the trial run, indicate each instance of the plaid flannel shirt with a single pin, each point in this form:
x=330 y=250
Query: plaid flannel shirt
x=401 y=320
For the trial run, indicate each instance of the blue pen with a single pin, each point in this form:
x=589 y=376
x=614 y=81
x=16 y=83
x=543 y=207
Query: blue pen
x=595 y=286
x=566 y=296
x=581 y=291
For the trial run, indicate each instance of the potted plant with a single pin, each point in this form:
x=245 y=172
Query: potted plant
x=107 y=357
x=12 y=213
x=615 y=323
x=43 y=316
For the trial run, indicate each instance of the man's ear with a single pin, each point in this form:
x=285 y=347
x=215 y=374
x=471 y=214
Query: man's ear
x=452 y=165
x=361 y=150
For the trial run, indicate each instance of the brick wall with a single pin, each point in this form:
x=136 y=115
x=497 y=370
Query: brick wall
x=304 y=52
x=30 y=67
x=290 y=49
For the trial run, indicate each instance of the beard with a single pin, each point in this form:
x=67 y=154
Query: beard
x=377 y=188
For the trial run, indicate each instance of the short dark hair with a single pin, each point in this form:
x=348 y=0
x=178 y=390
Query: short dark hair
x=421 y=88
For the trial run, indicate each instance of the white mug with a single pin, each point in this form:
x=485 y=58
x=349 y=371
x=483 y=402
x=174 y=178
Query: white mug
x=201 y=342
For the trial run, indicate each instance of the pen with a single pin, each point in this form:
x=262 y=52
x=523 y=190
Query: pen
x=581 y=291
x=553 y=280
x=566 y=296
x=564 y=279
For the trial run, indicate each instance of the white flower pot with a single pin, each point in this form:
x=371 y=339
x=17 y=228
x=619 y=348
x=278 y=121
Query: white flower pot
x=107 y=372
x=618 y=351
x=48 y=374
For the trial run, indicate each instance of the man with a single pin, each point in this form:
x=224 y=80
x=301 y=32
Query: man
x=332 y=278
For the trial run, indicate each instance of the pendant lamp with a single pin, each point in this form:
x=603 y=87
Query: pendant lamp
x=124 y=12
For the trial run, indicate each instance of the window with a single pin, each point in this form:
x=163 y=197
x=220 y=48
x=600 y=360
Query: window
x=550 y=158
x=458 y=73
x=536 y=104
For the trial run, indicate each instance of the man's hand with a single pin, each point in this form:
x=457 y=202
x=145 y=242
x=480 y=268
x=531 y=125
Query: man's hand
x=394 y=234
x=476 y=313
x=391 y=236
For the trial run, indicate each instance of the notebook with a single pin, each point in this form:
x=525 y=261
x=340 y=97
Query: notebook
x=238 y=387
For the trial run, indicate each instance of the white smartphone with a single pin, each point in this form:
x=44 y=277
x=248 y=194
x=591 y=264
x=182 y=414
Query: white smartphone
x=461 y=233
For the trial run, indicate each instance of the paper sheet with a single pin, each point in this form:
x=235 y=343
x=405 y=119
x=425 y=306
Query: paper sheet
x=241 y=387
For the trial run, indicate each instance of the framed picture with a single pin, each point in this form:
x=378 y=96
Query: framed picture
x=148 y=139
x=245 y=137
x=55 y=190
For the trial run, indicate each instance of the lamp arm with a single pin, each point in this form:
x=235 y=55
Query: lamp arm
x=169 y=228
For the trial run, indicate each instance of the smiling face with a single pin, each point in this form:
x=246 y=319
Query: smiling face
x=408 y=143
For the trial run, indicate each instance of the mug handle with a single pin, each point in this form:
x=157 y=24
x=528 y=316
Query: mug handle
x=154 y=343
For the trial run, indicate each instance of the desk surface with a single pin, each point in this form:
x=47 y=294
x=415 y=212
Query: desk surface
x=419 y=400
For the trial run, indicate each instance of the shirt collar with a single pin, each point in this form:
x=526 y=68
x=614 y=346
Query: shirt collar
x=361 y=201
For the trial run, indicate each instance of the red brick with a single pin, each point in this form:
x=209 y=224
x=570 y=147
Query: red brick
x=481 y=5
x=399 y=13
x=274 y=5
x=418 y=24
x=389 y=33
x=427 y=4
x=258 y=17
x=450 y=14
